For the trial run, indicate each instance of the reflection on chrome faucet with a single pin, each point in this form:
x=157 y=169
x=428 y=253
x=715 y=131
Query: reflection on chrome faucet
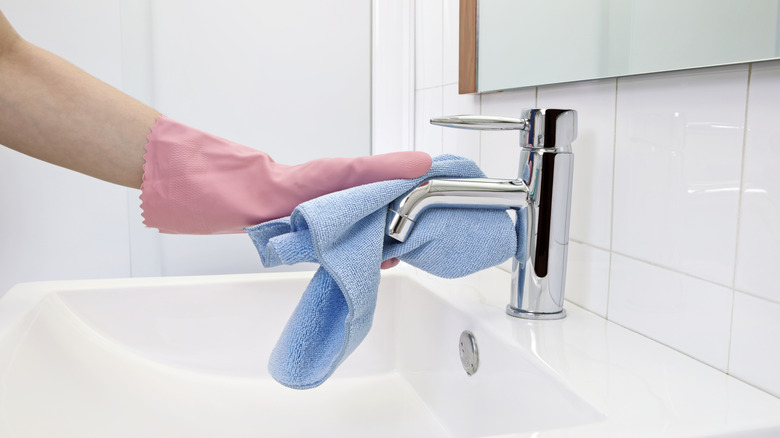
x=541 y=196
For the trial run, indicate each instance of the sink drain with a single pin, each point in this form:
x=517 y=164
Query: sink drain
x=469 y=355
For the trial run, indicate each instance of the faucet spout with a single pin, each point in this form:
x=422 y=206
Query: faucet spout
x=541 y=194
x=484 y=193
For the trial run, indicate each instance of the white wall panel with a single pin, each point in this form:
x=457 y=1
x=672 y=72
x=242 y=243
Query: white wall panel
x=289 y=78
x=54 y=223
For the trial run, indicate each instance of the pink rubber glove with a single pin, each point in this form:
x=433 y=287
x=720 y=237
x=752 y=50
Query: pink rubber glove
x=197 y=183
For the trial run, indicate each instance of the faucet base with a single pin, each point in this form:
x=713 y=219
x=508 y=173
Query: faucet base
x=517 y=313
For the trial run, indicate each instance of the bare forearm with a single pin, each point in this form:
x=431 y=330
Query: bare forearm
x=53 y=111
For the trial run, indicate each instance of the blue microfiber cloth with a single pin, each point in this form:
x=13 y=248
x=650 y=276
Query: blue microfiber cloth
x=345 y=233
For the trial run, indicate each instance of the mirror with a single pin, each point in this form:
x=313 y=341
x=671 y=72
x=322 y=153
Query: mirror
x=521 y=43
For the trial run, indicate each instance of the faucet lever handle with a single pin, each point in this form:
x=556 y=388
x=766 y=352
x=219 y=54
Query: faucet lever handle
x=482 y=123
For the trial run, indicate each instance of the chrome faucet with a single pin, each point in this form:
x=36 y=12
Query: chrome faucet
x=541 y=195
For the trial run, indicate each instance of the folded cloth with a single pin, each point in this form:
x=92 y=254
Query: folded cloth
x=345 y=233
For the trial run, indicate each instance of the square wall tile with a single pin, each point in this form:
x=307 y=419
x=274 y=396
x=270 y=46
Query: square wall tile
x=759 y=224
x=500 y=150
x=685 y=313
x=427 y=137
x=461 y=142
x=678 y=158
x=591 y=205
x=428 y=43
x=755 y=350
x=587 y=277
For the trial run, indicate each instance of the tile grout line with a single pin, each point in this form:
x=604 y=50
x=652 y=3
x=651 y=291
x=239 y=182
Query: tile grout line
x=758 y=297
x=432 y=87
x=739 y=216
x=612 y=201
x=636 y=259
x=683 y=353
x=742 y=176
x=666 y=268
x=582 y=242
x=536 y=97
x=680 y=351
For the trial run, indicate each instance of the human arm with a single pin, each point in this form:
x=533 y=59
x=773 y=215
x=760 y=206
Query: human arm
x=192 y=182
x=56 y=112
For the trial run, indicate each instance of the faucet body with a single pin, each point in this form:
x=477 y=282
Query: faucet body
x=542 y=193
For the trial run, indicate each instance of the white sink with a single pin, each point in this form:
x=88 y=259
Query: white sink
x=186 y=357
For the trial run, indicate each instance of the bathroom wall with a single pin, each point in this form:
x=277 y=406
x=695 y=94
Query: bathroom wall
x=675 y=227
x=54 y=223
x=290 y=78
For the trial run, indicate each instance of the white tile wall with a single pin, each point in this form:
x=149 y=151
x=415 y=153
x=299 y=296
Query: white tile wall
x=677 y=165
x=676 y=211
x=592 y=186
x=755 y=350
x=587 y=277
x=759 y=226
x=681 y=311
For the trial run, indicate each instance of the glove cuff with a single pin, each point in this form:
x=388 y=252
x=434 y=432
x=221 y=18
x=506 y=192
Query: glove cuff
x=194 y=182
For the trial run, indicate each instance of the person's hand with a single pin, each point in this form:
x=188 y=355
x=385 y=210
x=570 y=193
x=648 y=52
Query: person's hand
x=197 y=183
x=390 y=263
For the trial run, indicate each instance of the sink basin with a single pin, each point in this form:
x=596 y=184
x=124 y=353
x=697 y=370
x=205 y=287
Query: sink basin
x=187 y=357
